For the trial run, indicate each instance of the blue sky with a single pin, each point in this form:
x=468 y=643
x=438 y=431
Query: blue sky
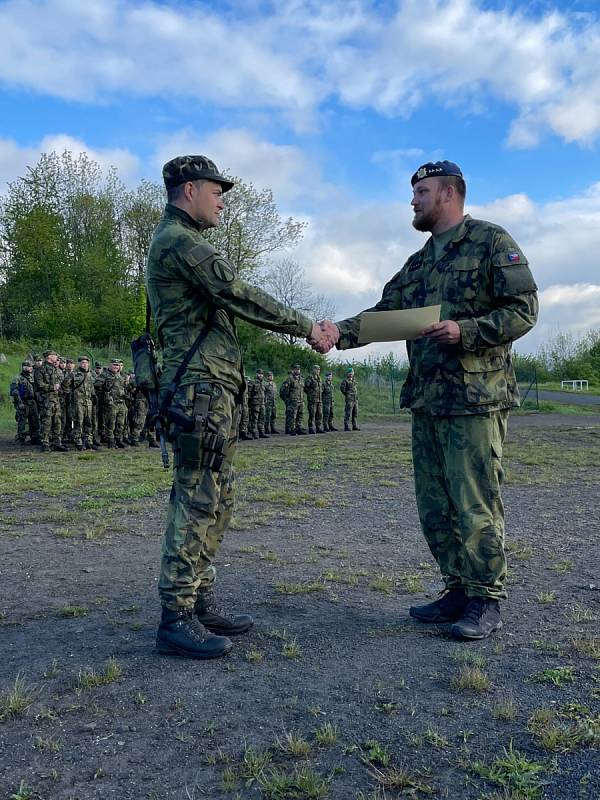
x=333 y=105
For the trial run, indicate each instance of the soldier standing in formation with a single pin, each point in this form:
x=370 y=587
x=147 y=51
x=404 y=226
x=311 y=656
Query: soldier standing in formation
x=138 y=411
x=26 y=411
x=270 y=404
x=327 y=397
x=312 y=388
x=291 y=392
x=245 y=411
x=78 y=386
x=460 y=387
x=114 y=410
x=47 y=384
x=349 y=389
x=256 y=405
x=97 y=422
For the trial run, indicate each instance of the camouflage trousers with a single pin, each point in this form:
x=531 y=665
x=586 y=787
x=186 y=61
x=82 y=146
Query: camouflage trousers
x=82 y=421
x=257 y=419
x=351 y=412
x=458 y=476
x=293 y=416
x=28 y=421
x=327 y=413
x=244 y=416
x=50 y=421
x=137 y=417
x=270 y=416
x=315 y=413
x=202 y=497
x=115 y=419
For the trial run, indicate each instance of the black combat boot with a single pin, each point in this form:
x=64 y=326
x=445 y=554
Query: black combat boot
x=181 y=635
x=355 y=428
x=346 y=427
x=274 y=430
x=45 y=448
x=331 y=428
x=217 y=620
x=448 y=608
x=60 y=448
x=120 y=444
x=301 y=432
x=480 y=618
x=81 y=447
x=134 y=443
x=264 y=436
x=153 y=443
x=321 y=430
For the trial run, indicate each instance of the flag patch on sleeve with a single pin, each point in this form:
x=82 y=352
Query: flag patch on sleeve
x=514 y=257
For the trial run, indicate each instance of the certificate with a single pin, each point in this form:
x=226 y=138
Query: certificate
x=395 y=326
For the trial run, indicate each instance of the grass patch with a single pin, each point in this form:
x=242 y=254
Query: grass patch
x=327 y=734
x=16 y=700
x=471 y=679
x=515 y=772
x=89 y=679
x=73 y=611
x=293 y=744
x=557 y=676
x=300 y=588
x=505 y=710
x=589 y=648
x=382 y=583
x=301 y=784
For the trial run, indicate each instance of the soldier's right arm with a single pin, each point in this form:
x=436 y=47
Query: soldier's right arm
x=217 y=278
x=42 y=379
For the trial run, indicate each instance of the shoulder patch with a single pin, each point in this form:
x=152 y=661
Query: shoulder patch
x=223 y=270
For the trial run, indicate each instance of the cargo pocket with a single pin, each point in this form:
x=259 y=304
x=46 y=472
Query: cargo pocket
x=484 y=379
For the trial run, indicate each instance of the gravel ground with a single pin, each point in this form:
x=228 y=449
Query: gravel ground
x=335 y=692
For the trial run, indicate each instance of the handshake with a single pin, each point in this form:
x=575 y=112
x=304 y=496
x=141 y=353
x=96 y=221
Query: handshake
x=324 y=336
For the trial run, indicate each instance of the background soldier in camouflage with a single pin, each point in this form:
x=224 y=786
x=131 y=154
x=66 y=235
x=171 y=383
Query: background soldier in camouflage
x=78 y=385
x=114 y=409
x=138 y=411
x=97 y=418
x=327 y=397
x=312 y=388
x=256 y=406
x=270 y=404
x=26 y=411
x=47 y=381
x=69 y=411
x=245 y=411
x=460 y=387
x=349 y=389
x=291 y=392
x=193 y=289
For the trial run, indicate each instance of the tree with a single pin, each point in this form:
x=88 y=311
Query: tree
x=286 y=281
x=252 y=229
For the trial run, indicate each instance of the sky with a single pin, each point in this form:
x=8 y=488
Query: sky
x=333 y=104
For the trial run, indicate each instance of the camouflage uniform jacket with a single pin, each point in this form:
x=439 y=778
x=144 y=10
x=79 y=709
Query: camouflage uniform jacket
x=327 y=393
x=349 y=388
x=188 y=280
x=79 y=384
x=21 y=389
x=256 y=393
x=113 y=388
x=312 y=387
x=45 y=378
x=270 y=389
x=483 y=282
x=291 y=389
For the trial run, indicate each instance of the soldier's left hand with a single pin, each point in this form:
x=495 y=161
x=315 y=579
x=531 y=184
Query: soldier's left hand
x=445 y=332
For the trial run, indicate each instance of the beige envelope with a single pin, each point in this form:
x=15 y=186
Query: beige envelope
x=395 y=326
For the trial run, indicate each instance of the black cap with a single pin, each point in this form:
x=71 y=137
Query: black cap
x=436 y=169
x=193 y=168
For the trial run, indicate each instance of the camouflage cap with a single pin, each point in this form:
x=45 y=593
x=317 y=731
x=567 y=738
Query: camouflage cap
x=83 y=358
x=97 y=365
x=259 y=371
x=316 y=366
x=116 y=361
x=70 y=361
x=436 y=169
x=27 y=363
x=193 y=168
x=295 y=366
x=47 y=353
x=329 y=374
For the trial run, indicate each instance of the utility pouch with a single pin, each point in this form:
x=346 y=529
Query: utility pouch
x=189 y=452
x=145 y=363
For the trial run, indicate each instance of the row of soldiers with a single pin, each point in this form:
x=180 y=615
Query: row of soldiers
x=259 y=412
x=57 y=403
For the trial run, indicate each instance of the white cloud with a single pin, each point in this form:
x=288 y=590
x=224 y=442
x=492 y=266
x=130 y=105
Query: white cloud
x=14 y=158
x=285 y=169
x=391 y=57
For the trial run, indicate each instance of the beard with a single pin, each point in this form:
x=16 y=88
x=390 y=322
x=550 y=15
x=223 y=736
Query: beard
x=426 y=222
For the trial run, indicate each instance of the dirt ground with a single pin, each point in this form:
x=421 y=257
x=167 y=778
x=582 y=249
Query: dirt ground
x=335 y=692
